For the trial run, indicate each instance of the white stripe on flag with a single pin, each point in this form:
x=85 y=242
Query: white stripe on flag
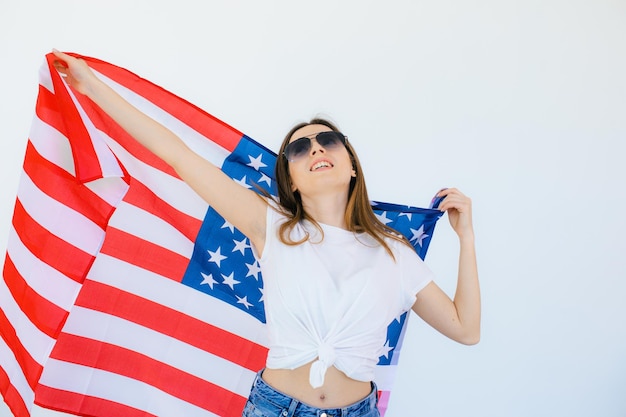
x=52 y=145
x=41 y=277
x=110 y=190
x=150 y=228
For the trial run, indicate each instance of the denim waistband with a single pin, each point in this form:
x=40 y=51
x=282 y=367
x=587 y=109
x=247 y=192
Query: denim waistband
x=266 y=397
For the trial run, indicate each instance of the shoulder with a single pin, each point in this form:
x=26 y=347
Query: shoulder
x=398 y=243
x=403 y=252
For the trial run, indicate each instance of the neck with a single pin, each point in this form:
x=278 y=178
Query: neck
x=327 y=209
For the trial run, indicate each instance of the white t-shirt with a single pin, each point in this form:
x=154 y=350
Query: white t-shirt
x=333 y=298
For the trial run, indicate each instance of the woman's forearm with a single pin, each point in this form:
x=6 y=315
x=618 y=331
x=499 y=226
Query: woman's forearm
x=467 y=295
x=151 y=134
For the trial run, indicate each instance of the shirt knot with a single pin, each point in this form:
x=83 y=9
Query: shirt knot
x=325 y=359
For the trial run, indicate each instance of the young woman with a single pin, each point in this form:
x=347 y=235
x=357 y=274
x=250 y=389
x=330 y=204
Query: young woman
x=334 y=275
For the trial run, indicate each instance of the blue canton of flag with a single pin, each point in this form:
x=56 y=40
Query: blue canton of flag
x=222 y=264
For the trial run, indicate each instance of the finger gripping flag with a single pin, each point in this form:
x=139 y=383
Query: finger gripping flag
x=123 y=292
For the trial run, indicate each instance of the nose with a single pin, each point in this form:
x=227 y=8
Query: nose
x=316 y=147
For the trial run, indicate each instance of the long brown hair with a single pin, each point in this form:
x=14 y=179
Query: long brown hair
x=359 y=216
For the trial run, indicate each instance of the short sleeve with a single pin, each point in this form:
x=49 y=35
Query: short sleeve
x=415 y=274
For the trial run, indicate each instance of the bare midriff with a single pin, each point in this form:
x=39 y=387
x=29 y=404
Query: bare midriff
x=338 y=390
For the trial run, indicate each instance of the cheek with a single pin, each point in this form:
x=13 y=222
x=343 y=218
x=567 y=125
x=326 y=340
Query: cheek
x=349 y=164
x=292 y=178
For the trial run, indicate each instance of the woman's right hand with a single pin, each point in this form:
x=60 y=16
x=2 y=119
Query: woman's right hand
x=75 y=71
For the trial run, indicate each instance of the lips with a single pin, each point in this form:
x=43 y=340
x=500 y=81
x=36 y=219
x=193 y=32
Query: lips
x=321 y=164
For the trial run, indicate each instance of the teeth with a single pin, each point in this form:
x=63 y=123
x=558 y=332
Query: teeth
x=321 y=164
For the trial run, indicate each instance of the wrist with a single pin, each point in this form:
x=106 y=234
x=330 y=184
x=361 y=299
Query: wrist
x=466 y=237
x=94 y=87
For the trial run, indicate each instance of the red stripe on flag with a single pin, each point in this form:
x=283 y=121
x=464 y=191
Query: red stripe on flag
x=63 y=187
x=83 y=405
x=46 y=316
x=52 y=250
x=141 y=196
x=136 y=251
x=113 y=301
x=47 y=111
x=85 y=158
x=207 y=125
x=32 y=370
x=121 y=361
x=12 y=397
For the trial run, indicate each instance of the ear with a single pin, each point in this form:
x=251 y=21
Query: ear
x=353 y=173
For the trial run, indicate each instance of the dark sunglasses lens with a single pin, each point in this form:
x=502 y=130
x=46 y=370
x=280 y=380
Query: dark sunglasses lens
x=297 y=148
x=329 y=139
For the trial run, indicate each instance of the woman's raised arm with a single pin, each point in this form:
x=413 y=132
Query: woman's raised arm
x=459 y=319
x=239 y=206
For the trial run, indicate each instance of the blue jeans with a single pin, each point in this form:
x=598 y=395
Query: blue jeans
x=265 y=401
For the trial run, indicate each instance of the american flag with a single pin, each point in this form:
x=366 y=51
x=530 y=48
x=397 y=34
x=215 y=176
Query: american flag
x=123 y=292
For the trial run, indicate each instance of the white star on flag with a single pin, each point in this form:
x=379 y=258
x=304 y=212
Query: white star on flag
x=208 y=279
x=408 y=215
x=253 y=270
x=418 y=235
x=256 y=162
x=227 y=225
x=216 y=256
x=265 y=179
x=241 y=246
x=230 y=280
x=386 y=349
x=383 y=218
x=243 y=301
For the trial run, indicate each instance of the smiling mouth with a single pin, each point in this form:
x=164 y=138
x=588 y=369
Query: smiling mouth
x=321 y=164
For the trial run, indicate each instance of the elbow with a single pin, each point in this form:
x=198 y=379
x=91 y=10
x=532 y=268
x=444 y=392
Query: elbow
x=470 y=338
x=470 y=332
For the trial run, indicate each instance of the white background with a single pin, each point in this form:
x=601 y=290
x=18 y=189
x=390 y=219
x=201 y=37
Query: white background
x=521 y=104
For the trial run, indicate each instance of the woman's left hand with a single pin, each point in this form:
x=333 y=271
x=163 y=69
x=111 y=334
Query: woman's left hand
x=459 y=208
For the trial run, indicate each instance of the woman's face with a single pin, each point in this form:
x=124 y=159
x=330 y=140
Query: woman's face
x=321 y=169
